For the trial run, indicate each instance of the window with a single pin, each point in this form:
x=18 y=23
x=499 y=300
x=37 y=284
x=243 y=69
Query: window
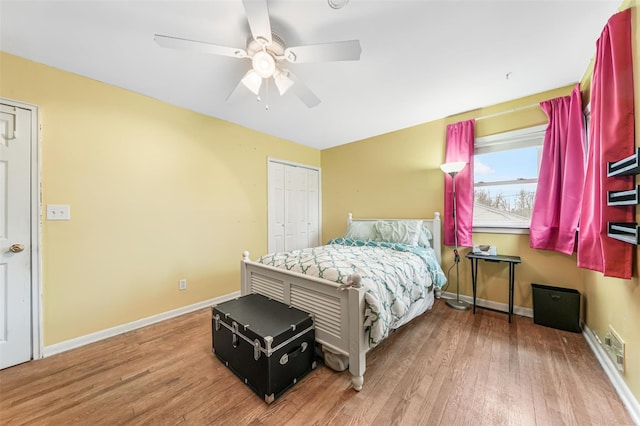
x=506 y=167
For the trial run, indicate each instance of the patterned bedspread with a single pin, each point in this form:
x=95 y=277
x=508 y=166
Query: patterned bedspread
x=394 y=275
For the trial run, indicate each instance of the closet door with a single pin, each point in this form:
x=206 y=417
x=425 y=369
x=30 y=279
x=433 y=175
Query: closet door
x=276 y=207
x=313 y=208
x=294 y=207
x=291 y=208
x=302 y=207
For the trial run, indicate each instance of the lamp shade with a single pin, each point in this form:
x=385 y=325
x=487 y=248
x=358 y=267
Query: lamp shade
x=453 y=167
x=253 y=81
x=283 y=82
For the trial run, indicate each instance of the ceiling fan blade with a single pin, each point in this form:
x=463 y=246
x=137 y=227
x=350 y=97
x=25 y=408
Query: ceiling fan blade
x=257 y=13
x=303 y=92
x=198 y=46
x=325 y=52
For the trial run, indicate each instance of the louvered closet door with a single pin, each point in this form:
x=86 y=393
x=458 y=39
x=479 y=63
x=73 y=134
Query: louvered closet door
x=294 y=207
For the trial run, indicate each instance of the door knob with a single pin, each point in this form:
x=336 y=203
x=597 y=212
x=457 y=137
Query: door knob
x=16 y=248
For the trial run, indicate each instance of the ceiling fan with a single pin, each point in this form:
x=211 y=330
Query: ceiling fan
x=268 y=54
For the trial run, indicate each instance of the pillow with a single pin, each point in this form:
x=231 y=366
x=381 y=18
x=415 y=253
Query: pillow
x=399 y=231
x=364 y=230
x=425 y=237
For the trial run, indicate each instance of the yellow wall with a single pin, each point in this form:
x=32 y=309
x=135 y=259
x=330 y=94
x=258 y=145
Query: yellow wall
x=157 y=193
x=398 y=175
x=394 y=175
x=614 y=302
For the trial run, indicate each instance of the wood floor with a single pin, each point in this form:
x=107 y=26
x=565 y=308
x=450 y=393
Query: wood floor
x=447 y=367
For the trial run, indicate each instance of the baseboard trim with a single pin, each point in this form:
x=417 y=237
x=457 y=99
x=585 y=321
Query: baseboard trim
x=504 y=307
x=612 y=373
x=124 y=328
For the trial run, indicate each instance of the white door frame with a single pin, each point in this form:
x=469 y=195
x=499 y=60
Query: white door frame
x=36 y=225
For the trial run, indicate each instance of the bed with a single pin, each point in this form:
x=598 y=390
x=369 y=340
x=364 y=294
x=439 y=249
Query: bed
x=354 y=302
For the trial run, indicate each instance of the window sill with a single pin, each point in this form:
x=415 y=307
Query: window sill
x=500 y=230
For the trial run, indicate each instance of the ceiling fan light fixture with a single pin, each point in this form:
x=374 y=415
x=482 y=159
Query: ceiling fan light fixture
x=263 y=64
x=283 y=82
x=252 y=81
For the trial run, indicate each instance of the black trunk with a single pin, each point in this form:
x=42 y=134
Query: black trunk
x=268 y=344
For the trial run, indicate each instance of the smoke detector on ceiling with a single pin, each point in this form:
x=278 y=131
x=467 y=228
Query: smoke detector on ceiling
x=337 y=4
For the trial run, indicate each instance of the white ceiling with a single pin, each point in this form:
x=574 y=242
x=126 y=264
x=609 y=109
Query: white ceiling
x=421 y=60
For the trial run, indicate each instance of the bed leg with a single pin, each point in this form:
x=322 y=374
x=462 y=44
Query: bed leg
x=357 y=382
x=357 y=337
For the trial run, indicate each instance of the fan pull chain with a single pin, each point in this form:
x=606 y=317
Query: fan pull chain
x=266 y=106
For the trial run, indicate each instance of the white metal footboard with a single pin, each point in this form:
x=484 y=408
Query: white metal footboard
x=338 y=314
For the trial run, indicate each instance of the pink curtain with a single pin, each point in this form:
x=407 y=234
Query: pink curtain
x=460 y=141
x=556 y=209
x=611 y=138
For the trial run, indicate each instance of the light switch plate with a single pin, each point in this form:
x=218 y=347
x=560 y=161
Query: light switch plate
x=58 y=212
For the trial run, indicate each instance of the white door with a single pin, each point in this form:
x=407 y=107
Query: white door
x=302 y=208
x=276 y=207
x=290 y=208
x=15 y=236
x=294 y=207
x=313 y=207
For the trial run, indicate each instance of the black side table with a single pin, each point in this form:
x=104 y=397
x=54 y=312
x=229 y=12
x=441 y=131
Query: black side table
x=511 y=260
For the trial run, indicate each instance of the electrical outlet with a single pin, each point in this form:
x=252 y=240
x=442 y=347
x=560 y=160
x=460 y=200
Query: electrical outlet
x=182 y=284
x=614 y=346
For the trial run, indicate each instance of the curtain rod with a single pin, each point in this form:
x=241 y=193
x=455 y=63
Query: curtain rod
x=508 y=111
